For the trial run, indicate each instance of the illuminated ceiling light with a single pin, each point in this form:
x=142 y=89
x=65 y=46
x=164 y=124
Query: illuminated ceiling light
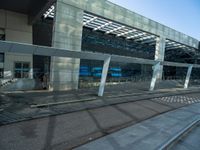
x=49 y=12
x=119 y=28
x=102 y=26
x=130 y=31
x=88 y=21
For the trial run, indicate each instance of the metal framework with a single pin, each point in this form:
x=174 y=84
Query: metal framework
x=6 y=46
x=97 y=23
x=174 y=45
x=117 y=29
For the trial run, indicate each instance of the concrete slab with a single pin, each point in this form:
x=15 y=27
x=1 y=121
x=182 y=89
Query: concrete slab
x=137 y=111
x=181 y=115
x=189 y=141
x=154 y=106
x=181 y=147
x=155 y=132
x=17 y=105
x=192 y=108
x=71 y=126
x=108 y=117
x=46 y=132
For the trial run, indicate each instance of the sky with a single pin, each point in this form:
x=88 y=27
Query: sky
x=181 y=15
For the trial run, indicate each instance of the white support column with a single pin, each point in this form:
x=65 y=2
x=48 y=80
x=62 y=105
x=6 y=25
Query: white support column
x=160 y=54
x=104 y=76
x=187 y=79
x=156 y=69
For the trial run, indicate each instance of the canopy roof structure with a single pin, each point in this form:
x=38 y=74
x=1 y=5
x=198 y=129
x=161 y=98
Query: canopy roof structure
x=97 y=23
x=35 y=9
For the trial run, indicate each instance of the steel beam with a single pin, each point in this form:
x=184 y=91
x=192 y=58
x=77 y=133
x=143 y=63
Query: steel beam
x=6 y=46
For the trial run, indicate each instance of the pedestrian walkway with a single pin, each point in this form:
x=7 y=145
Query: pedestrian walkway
x=21 y=106
x=150 y=134
x=68 y=130
x=69 y=125
x=190 y=141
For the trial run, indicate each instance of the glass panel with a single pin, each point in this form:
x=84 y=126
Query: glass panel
x=18 y=65
x=25 y=74
x=17 y=74
x=17 y=70
x=26 y=70
x=25 y=65
x=1 y=73
x=1 y=57
x=22 y=70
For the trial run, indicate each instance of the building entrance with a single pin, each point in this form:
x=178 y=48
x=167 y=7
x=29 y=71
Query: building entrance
x=41 y=71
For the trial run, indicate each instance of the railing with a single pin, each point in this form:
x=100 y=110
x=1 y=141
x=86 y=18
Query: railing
x=6 y=46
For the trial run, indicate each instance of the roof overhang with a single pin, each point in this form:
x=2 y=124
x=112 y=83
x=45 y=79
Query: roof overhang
x=97 y=23
x=33 y=8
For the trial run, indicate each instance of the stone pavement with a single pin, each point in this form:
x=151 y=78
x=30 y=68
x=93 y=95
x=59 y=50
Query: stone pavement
x=152 y=133
x=190 y=141
x=69 y=130
x=16 y=106
x=66 y=126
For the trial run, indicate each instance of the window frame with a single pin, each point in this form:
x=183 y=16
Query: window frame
x=22 y=71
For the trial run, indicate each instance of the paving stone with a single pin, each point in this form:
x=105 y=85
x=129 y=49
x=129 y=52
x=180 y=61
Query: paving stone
x=137 y=111
x=107 y=117
x=156 y=131
x=63 y=130
x=154 y=106
x=46 y=132
x=189 y=141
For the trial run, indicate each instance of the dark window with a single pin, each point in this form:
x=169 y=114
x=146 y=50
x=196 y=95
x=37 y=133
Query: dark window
x=2 y=34
x=2 y=37
x=22 y=69
x=1 y=57
x=1 y=72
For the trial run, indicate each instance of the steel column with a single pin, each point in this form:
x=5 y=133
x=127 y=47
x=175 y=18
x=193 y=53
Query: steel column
x=187 y=79
x=156 y=69
x=104 y=76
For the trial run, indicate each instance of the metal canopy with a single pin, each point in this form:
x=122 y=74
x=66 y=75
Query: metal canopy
x=180 y=53
x=97 y=23
x=117 y=29
x=170 y=45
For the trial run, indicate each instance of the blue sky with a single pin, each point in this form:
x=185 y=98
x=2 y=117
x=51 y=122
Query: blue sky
x=181 y=15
